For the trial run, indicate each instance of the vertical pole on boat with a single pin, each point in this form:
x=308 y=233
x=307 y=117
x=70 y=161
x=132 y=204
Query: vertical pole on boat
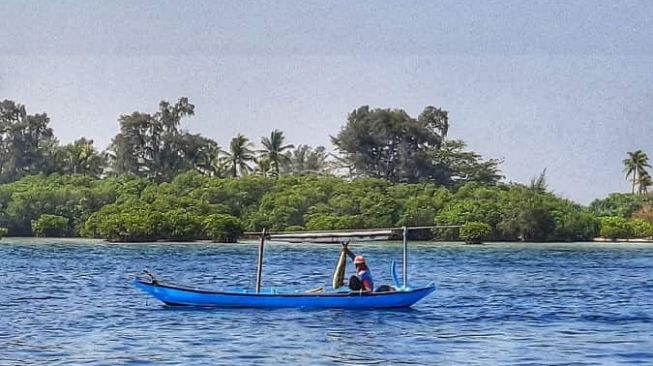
x=259 y=263
x=405 y=259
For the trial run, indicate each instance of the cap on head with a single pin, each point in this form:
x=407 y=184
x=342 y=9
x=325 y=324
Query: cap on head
x=359 y=259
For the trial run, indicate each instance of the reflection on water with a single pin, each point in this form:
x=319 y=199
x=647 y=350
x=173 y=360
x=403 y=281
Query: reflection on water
x=69 y=302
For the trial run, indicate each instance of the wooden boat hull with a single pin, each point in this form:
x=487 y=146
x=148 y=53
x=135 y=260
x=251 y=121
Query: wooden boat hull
x=175 y=295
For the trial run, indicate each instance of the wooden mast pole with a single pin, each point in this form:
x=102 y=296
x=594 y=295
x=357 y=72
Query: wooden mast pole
x=259 y=263
x=405 y=257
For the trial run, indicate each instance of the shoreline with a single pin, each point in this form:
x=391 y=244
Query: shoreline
x=620 y=240
x=249 y=241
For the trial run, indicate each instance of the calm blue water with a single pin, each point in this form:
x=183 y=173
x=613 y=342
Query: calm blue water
x=69 y=302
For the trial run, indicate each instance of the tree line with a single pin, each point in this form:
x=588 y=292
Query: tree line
x=381 y=143
x=195 y=206
x=157 y=181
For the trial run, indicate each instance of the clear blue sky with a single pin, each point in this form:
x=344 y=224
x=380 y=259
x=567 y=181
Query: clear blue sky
x=563 y=85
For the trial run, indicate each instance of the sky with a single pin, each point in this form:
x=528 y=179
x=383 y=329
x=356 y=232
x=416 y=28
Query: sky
x=561 y=85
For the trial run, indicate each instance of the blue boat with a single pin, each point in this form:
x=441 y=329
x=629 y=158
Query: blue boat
x=174 y=295
x=397 y=296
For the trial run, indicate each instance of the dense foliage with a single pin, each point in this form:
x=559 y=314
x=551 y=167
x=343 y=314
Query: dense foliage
x=620 y=204
x=475 y=232
x=157 y=181
x=51 y=225
x=390 y=144
x=195 y=206
x=222 y=228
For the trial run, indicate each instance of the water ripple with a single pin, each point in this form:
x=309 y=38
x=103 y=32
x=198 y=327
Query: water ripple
x=69 y=302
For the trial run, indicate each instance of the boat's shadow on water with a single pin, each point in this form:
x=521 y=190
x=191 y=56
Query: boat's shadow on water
x=242 y=310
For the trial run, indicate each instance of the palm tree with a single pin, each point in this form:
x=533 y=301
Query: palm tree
x=209 y=161
x=539 y=184
x=239 y=155
x=274 y=150
x=635 y=165
x=316 y=160
x=263 y=167
x=80 y=157
x=643 y=182
x=305 y=159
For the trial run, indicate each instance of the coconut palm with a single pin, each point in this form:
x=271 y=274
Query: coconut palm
x=305 y=159
x=79 y=157
x=209 y=161
x=635 y=165
x=239 y=155
x=263 y=167
x=643 y=182
x=274 y=150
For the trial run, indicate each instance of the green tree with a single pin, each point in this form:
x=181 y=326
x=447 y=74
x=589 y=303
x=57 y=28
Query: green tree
x=613 y=227
x=26 y=142
x=180 y=225
x=264 y=167
x=151 y=145
x=209 y=160
x=643 y=182
x=389 y=144
x=129 y=151
x=526 y=216
x=304 y=159
x=274 y=149
x=195 y=152
x=635 y=165
x=640 y=228
x=132 y=221
x=51 y=225
x=239 y=156
x=471 y=203
x=619 y=204
x=475 y=232
x=420 y=203
x=573 y=223
x=80 y=157
x=455 y=165
x=222 y=228
x=436 y=120
x=539 y=184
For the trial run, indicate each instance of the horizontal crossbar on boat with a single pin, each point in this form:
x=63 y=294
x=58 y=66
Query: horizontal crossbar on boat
x=379 y=233
x=323 y=235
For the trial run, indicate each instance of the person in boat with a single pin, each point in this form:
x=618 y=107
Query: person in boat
x=362 y=280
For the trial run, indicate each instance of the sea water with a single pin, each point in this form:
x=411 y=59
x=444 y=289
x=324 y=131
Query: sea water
x=69 y=302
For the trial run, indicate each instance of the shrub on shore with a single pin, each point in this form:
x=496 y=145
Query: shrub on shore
x=640 y=228
x=180 y=225
x=51 y=225
x=475 y=232
x=135 y=209
x=614 y=227
x=222 y=228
